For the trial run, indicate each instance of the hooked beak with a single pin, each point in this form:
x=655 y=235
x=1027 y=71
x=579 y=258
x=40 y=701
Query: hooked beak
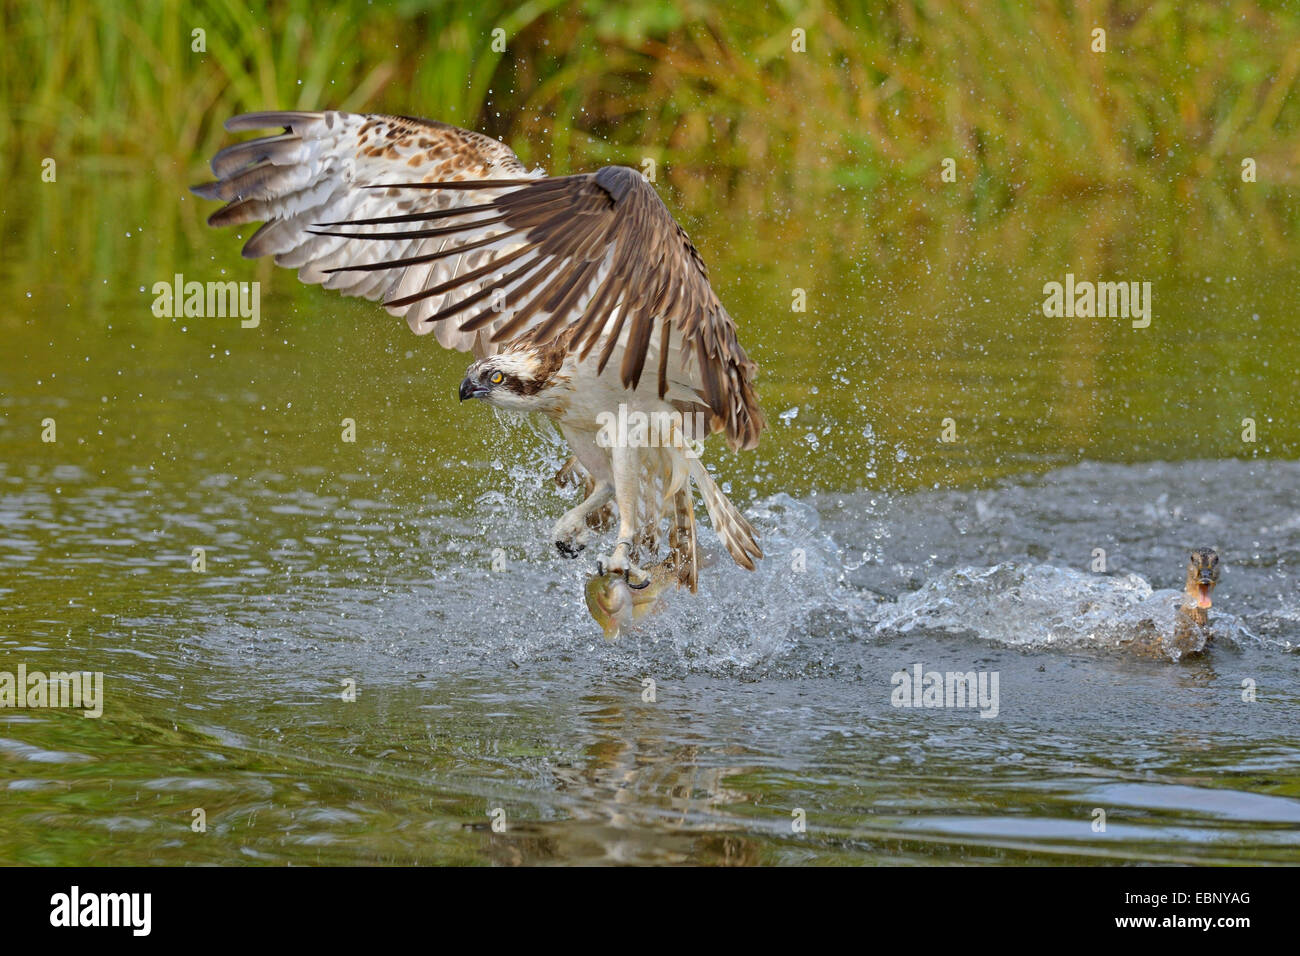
x=471 y=389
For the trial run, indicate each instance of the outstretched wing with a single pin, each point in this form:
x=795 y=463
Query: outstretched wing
x=446 y=228
x=318 y=169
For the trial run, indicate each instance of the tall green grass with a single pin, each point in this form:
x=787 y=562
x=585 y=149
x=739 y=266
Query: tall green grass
x=1011 y=91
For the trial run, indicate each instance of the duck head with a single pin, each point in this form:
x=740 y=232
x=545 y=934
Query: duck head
x=1202 y=576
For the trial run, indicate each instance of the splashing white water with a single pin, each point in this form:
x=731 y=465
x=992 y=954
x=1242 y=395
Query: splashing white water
x=1040 y=605
x=742 y=620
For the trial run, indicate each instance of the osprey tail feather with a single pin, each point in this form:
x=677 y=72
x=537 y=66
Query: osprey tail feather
x=732 y=527
x=681 y=539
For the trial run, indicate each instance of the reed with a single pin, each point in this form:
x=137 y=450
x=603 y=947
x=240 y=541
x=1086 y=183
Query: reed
x=715 y=94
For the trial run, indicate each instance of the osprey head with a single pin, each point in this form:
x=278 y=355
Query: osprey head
x=510 y=380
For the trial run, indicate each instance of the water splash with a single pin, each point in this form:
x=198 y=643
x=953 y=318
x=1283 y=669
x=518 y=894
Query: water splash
x=1041 y=605
x=773 y=619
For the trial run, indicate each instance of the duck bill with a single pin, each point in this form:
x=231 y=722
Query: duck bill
x=1203 y=595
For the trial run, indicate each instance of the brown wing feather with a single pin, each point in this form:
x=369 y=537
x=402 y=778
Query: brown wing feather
x=588 y=259
x=320 y=170
x=604 y=261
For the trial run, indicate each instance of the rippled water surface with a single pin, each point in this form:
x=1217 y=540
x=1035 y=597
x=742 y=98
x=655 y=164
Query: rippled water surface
x=413 y=564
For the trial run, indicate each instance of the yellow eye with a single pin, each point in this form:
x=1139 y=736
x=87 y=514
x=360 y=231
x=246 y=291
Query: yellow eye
x=497 y=378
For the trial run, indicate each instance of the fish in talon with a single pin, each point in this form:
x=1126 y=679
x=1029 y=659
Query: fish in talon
x=617 y=603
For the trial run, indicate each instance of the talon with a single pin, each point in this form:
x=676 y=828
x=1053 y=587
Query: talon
x=569 y=549
x=618 y=562
x=637 y=587
x=600 y=569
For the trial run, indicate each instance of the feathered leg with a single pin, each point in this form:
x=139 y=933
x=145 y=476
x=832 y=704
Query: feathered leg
x=573 y=473
x=627 y=488
x=574 y=528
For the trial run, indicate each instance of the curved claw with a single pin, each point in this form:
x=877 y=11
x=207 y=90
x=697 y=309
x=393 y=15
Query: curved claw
x=568 y=549
x=627 y=576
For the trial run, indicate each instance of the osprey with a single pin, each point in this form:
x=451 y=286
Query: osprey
x=579 y=296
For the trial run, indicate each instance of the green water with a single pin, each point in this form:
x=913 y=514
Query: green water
x=481 y=689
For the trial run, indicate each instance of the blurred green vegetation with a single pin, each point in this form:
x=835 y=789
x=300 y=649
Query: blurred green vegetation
x=816 y=169
x=717 y=95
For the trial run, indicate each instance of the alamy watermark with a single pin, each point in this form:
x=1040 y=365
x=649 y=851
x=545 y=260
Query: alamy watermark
x=77 y=690
x=208 y=300
x=952 y=689
x=77 y=909
x=1085 y=300
x=638 y=429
